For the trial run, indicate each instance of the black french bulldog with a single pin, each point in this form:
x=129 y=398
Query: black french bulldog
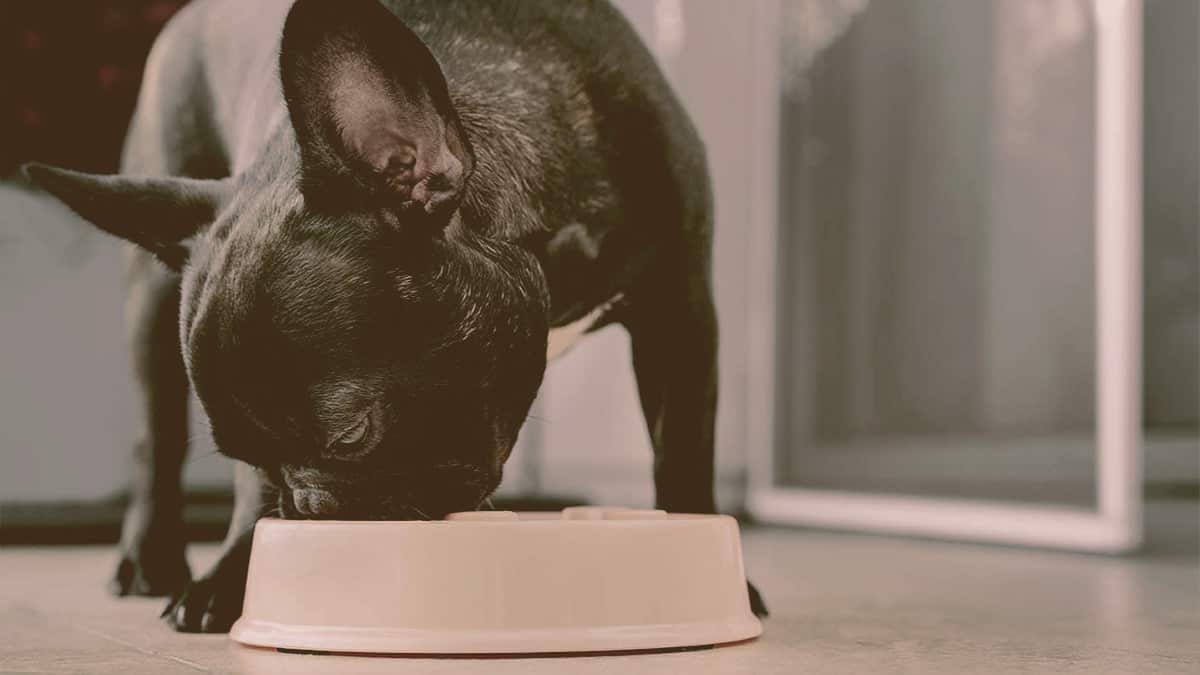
x=367 y=219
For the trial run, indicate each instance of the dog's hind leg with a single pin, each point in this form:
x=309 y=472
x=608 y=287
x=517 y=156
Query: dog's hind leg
x=170 y=135
x=152 y=544
x=673 y=334
x=672 y=324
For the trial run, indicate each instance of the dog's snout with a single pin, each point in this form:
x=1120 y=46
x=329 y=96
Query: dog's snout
x=315 y=502
x=310 y=491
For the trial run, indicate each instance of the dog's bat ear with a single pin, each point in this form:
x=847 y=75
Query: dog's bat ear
x=371 y=111
x=158 y=214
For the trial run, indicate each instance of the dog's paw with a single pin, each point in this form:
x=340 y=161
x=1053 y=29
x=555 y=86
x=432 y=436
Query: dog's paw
x=756 y=602
x=209 y=604
x=152 y=561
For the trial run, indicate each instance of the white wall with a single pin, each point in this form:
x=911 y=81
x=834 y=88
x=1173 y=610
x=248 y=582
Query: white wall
x=67 y=404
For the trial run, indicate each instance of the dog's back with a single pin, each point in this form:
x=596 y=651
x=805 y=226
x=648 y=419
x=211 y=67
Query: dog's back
x=570 y=118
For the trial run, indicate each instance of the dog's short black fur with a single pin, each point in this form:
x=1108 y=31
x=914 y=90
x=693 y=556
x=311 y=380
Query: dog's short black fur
x=366 y=218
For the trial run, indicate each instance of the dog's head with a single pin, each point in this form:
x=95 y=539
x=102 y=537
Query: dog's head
x=343 y=329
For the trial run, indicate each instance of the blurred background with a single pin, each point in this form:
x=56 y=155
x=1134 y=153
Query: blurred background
x=935 y=308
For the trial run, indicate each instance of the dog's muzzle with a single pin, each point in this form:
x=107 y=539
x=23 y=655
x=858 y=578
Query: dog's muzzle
x=315 y=502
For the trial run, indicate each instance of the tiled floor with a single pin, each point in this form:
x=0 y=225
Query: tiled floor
x=842 y=604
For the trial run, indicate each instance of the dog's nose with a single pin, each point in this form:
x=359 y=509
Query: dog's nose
x=314 y=502
x=439 y=183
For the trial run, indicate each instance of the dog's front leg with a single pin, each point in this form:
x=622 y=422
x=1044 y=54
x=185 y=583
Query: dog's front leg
x=213 y=602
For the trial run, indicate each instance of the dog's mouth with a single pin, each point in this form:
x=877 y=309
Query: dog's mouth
x=308 y=493
x=318 y=504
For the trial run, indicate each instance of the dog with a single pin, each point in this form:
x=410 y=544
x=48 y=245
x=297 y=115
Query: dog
x=360 y=230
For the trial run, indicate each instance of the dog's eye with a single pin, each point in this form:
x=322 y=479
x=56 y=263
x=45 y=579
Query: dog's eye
x=355 y=434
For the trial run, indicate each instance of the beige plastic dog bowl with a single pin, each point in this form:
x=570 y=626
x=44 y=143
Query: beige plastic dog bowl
x=587 y=579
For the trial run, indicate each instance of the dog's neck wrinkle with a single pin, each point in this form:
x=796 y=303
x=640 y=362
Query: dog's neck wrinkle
x=267 y=195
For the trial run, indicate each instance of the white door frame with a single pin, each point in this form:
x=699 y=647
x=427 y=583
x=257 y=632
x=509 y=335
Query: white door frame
x=1116 y=525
